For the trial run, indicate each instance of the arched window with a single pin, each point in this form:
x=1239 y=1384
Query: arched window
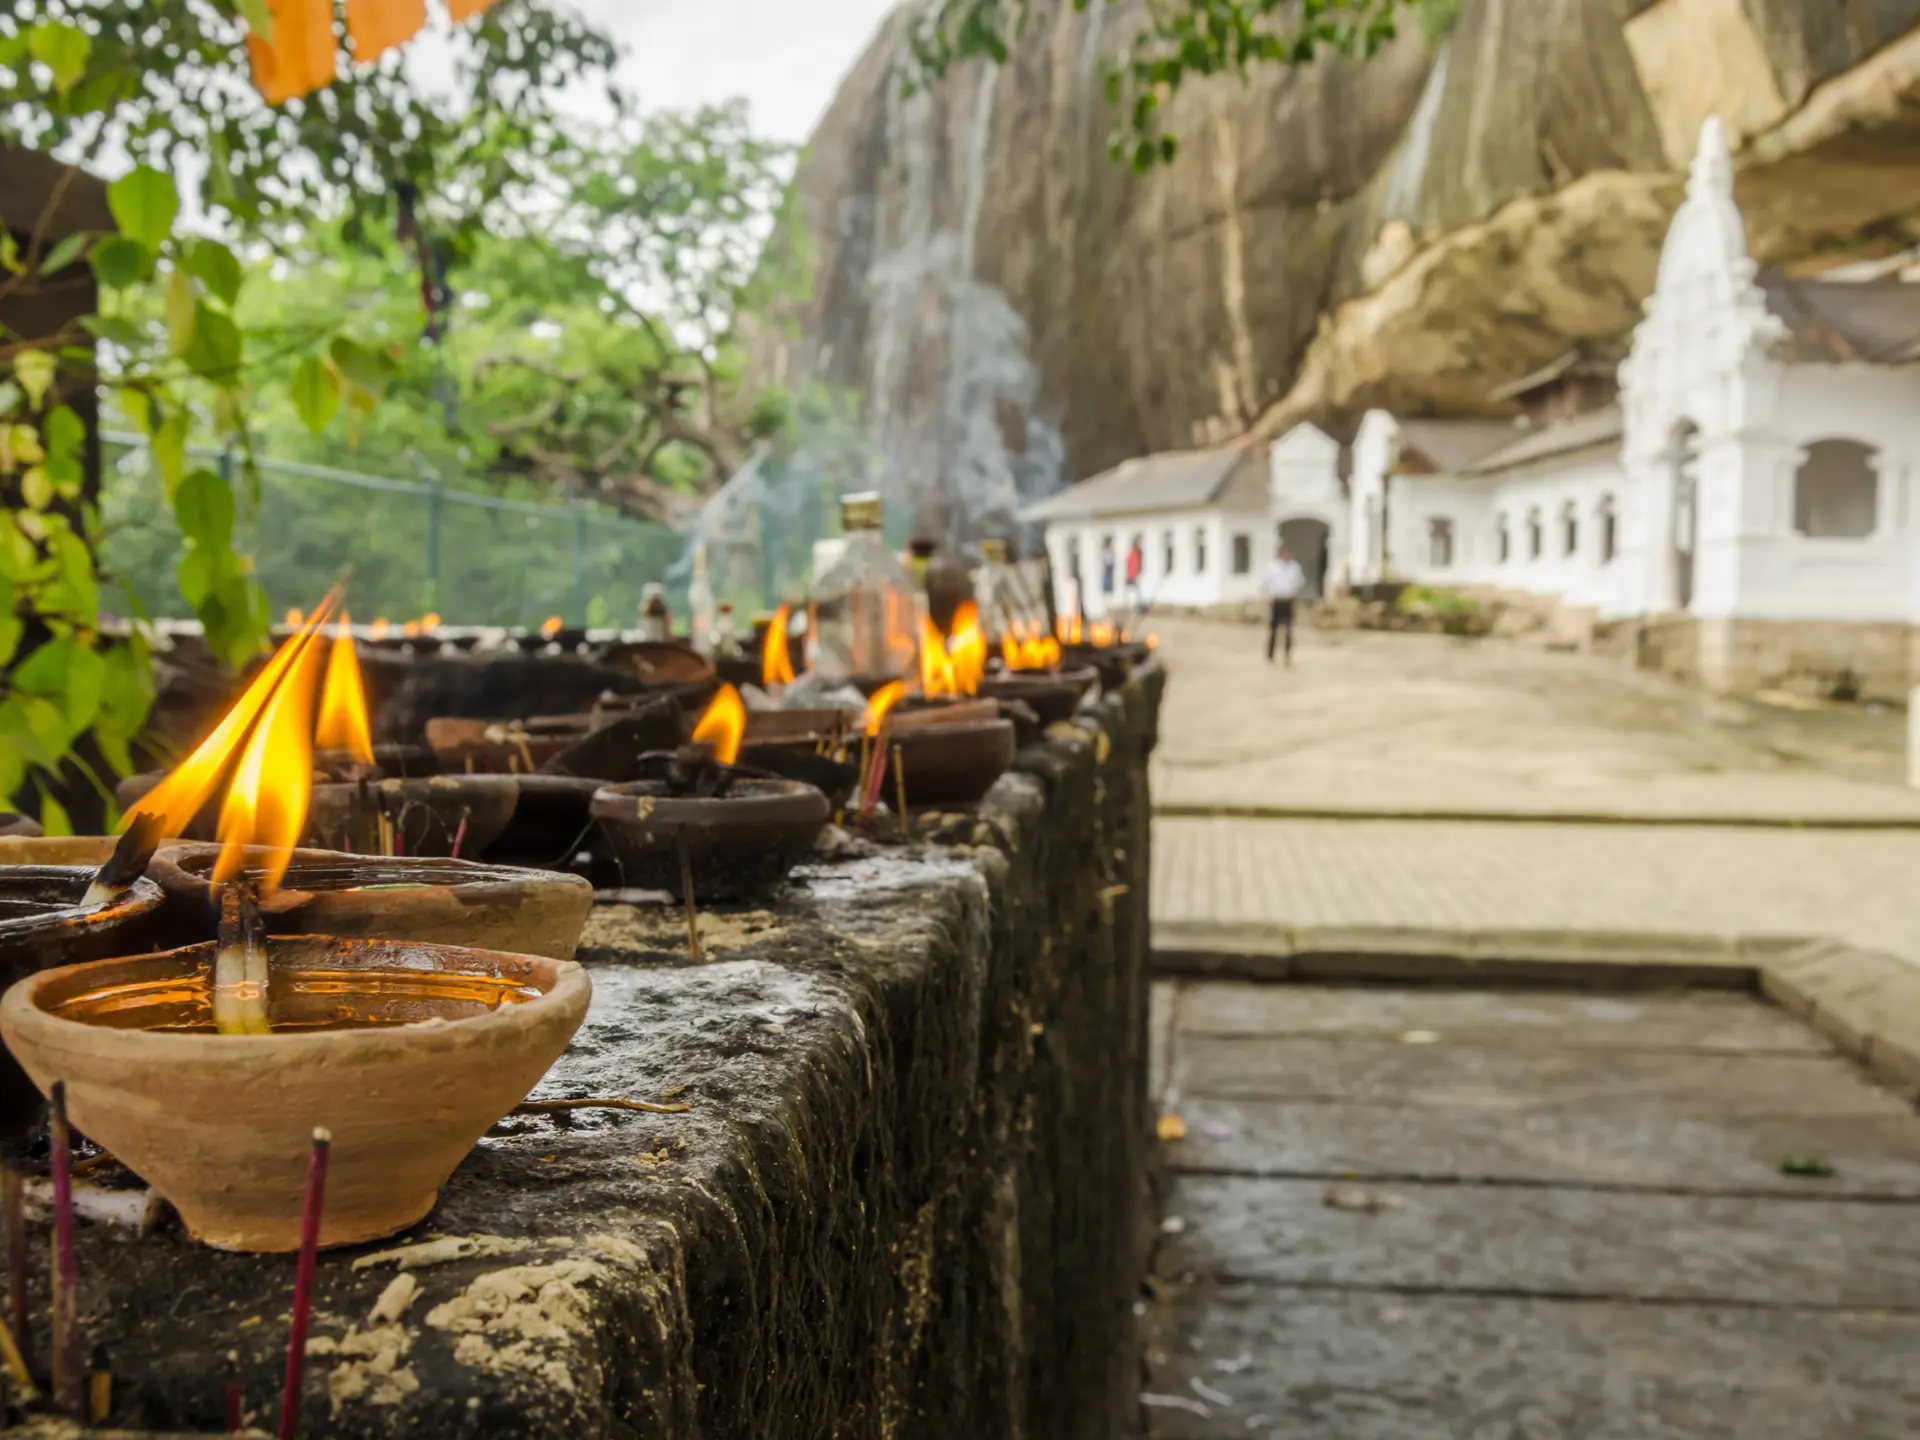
x=1609 y=529
x=1569 y=530
x=1502 y=539
x=1440 y=542
x=1536 y=533
x=1836 y=492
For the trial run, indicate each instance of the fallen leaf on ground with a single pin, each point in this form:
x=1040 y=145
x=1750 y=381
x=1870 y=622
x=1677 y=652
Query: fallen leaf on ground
x=1170 y=1127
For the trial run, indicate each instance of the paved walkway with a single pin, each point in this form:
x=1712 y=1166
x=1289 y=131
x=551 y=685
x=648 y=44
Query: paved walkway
x=1393 y=727
x=1416 y=1215
x=1417 y=724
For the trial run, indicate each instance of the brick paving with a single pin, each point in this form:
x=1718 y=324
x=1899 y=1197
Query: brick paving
x=1390 y=727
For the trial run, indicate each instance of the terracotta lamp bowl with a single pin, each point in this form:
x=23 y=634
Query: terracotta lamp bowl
x=943 y=710
x=1053 y=695
x=781 y=727
x=952 y=764
x=799 y=760
x=660 y=662
x=12 y=824
x=428 y=815
x=738 y=844
x=503 y=747
x=434 y=901
x=220 y=1124
x=42 y=926
x=88 y=850
x=1113 y=662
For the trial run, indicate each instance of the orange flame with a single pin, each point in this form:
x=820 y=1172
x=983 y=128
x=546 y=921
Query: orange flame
x=1071 y=631
x=1102 y=633
x=953 y=664
x=550 y=626
x=343 y=703
x=967 y=646
x=936 y=669
x=879 y=703
x=178 y=798
x=430 y=621
x=723 y=725
x=1032 y=651
x=411 y=630
x=776 y=665
x=378 y=630
x=295 y=619
x=267 y=803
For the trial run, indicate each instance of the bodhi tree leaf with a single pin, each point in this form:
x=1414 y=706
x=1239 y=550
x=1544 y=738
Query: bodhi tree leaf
x=54 y=819
x=63 y=49
x=64 y=253
x=203 y=506
x=119 y=261
x=316 y=393
x=215 y=351
x=217 y=269
x=181 y=304
x=34 y=370
x=144 y=205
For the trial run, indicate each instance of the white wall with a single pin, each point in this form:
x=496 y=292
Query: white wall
x=1184 y=584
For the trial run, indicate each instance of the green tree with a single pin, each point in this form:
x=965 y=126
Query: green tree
x=157 y=80
x=1181 y=40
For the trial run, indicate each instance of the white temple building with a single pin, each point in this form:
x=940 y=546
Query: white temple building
x=1739 y=486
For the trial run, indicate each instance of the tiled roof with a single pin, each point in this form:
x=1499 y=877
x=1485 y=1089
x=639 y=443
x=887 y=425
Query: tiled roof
x=1836 y=322
x=1598 y=427
x=1173 y=480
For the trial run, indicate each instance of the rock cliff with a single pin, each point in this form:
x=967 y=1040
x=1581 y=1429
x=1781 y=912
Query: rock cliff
x=1413 y=231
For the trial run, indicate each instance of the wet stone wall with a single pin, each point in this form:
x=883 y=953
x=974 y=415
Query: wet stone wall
x=908 y=1199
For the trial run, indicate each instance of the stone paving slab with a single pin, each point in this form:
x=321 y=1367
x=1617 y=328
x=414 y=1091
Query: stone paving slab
x=1425 y=725
x=1692 y=1021
x=1364 y=1366
x=1871 y=1154
x=1489 y=879
x=1548 y=1241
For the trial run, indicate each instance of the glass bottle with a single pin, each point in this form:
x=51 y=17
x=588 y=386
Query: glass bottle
x=656 y=621
x=1007 y=606
x=700 y=602
x=726 y=639
x=862 y=606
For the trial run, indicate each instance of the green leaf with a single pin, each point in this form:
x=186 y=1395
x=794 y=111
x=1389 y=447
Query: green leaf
x=217 y=269
x=68 y=675
x=64 y=253
x=34 y=370
x=316 y=393
x=181 y=304
x=116 y=329
x=203 y=505
x=200 y=577
x=53 y=816
x=170 y=445
x=215 y=351
x=368 y=369
x=11 y=626
x=76 y=591
x=65 y=435
x=119 y=261
x=126 y=695
x=259 y=18
x=63 y=49
x=144 y=204
x=36 y=488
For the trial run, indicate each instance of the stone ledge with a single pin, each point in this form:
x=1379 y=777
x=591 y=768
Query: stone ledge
x=909 y=1198
x=1867 y=1002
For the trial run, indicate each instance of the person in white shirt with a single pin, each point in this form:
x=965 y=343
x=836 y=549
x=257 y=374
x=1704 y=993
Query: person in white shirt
x=1282 y=584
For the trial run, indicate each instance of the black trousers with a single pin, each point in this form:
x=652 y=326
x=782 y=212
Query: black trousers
x=1280 y=618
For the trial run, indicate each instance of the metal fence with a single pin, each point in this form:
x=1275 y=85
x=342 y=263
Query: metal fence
x=412 y=548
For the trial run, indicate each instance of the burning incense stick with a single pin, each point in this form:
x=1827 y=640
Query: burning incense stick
x=686 y=890
x=303 y=1284
x=13 y=1190
x=900 y=785
x=66 y=1265
x=240 y=971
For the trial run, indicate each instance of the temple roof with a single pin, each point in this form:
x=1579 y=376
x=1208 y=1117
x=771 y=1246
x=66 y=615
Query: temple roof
x=1838 y=322
x=1173 y=480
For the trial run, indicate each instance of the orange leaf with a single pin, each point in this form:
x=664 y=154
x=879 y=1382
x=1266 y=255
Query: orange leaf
x=466 y=9
x=376 y=26
x=300 y=60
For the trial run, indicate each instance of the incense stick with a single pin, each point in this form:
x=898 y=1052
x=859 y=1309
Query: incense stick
x=686 y=889
x=66 y=1264
x=236 y=1412
x=13 y=1190
x=900 y=785
x=460 y=835
x=99 y=1385
x=17 y=1365
x=303 y=1284
x=128 y=861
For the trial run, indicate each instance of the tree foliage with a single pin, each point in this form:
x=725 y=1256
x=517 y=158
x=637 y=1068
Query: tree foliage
x=1182 y=40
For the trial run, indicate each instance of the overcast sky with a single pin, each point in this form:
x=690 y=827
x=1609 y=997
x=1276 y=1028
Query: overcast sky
x=786 y=56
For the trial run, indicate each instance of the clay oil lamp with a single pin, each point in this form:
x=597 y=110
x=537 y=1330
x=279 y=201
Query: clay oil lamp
x=704 y=826
x=1031 y=673
x=948 y=745
x=360 y=809
x=1104 y=646
x=207 y=1069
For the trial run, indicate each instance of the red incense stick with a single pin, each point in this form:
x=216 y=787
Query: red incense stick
x=460 y=835
x=236 y=1417
x=67 y=1383
x=303 y=1284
